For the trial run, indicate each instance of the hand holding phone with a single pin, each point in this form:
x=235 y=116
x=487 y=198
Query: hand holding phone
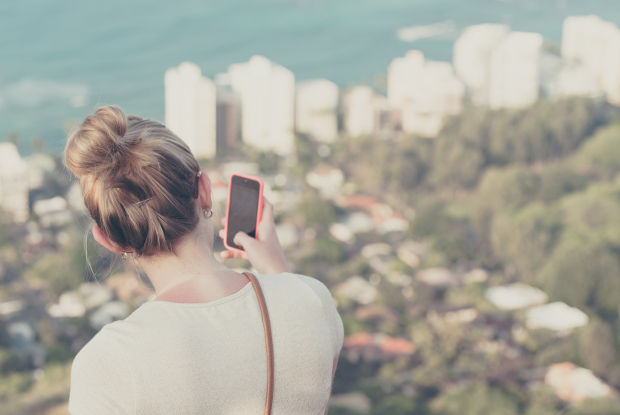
x=244 y=210
x=263 y=251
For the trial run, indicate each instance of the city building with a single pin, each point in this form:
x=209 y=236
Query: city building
x=316 y=109
x=360 y=111
x=13 y=183
x=563 y=78
x=472 y=58
x=266 y=94
x=515 y=70
x=595 y=43
x=191 y=108
x=227 y=114
x=423 y=92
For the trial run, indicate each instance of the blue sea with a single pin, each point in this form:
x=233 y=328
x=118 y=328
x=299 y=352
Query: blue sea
x=61 y=59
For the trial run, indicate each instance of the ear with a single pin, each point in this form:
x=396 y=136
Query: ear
x=104 y=241
x=204 y=192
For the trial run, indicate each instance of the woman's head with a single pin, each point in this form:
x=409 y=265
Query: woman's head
x=139 y=180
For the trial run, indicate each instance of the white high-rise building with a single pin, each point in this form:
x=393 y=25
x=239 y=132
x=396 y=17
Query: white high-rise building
x=561 y=78
x=596 y=44
x=360 y=112
x=403 y=80
x=472 y=58
x=191 y=108
x=423 y=93
x=516 y=70
x=267 y=95
x=316 y=109
x=13 y=183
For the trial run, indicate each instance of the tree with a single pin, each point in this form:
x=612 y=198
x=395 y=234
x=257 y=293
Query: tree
x=477 y=399
x=583 y=272
x=597 y=347
x=525 y=239
x=559 y=180
x=511 y=187
x=601 y=153
x=456 y=163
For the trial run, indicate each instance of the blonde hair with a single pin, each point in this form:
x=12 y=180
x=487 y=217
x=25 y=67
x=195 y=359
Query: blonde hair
x=139 y=179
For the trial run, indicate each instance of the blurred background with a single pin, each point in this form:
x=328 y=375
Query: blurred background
x=449 y=169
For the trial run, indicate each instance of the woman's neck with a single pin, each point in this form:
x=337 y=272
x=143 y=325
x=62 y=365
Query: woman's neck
x=193 y=258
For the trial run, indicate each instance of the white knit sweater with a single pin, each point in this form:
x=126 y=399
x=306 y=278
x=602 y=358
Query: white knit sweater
x=209 y=358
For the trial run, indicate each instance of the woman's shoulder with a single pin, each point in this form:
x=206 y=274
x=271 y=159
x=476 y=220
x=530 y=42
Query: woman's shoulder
x=110 y=342
x=102 y=379
x=315 y=292
x=288 y=280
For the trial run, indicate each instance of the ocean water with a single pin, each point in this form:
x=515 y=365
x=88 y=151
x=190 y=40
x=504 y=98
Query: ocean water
x=61 y=59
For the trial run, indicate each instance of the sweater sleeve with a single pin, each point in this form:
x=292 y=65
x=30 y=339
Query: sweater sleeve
x=101 y=380
x=329 y=307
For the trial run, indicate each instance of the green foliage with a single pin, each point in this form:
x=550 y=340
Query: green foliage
x=316 y=212
x=451 y=233
x=594 y=212
x=339 y=410
x=307 y=154
x=13 y=384
x=544 y=131
x=584 y=273
x=400 y=405
x=556 y=351
x=268 y=162
x=603 y=406
x=60 y=271
x=509 y=188
x=524 y=239
x=601 y=154
x=456 y=163
x=477 y=399
x=597 y=347
x=560 y=180
x=382 y=167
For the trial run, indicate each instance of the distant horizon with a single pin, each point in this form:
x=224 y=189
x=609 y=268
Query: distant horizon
x=51 y=76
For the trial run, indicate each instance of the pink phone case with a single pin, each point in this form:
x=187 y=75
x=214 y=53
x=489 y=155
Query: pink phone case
x=259 y=210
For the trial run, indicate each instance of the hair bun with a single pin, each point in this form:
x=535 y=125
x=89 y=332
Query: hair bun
x=98 y=141
x=138 y=179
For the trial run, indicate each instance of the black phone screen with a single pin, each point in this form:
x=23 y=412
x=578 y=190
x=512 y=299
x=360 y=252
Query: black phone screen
x=242 y=208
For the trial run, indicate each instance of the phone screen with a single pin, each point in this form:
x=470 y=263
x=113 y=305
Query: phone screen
x=242 y=208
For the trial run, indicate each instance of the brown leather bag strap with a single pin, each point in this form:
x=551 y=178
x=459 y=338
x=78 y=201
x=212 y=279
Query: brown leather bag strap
x=268 y=340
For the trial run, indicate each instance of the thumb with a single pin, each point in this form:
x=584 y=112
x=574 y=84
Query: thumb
x=243 y=239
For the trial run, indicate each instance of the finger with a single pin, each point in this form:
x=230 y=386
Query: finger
x=233 y=254
x=222 y=234
x=243 y=239
x=267 y=210
x=223 y=222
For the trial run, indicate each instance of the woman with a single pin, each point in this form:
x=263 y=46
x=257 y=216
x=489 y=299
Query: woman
x=198 y=347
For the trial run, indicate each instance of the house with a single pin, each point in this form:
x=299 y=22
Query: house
x=376 y=347
x=556 y=316
x=326 y=179
x=358 y=289
x=574 y=384
x=437 y=277
x=515 y=296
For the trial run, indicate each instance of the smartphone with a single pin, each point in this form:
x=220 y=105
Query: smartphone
x=245 y=208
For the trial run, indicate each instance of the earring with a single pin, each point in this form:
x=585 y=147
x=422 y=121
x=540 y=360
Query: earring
x=207 y=213
x=124 y=255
